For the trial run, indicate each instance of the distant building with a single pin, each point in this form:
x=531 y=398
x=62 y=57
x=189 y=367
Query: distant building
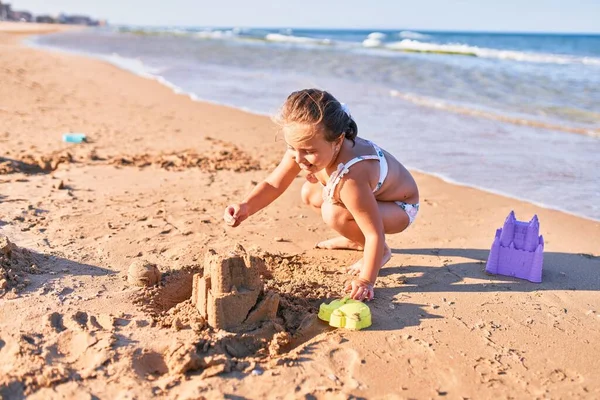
x=21 y=16
x=5 y=12
x=45 y=19
x=76 y=20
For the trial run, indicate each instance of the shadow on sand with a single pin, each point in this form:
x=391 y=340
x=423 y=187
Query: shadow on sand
x=52 y=267
x=562 y=271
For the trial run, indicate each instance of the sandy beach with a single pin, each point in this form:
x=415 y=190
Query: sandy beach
x=151 y=183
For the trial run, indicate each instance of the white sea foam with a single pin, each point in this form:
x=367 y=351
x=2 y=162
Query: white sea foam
x=447 y=106
x=374 y=39
x=132 y=65
x=277 y=37
x=591 y=61
x=413 y=35
x=372 y=43
x=463 y=49
x=216 y=34
x=376 y=35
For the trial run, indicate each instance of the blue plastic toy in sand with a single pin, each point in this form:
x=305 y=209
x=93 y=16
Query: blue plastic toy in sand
x=74 y=137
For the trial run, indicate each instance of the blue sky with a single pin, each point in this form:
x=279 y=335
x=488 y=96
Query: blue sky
x=477 y=15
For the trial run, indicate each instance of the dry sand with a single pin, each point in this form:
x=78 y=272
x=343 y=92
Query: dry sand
x=152 y=184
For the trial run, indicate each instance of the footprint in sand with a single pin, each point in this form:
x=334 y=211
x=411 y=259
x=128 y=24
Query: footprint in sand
x=491 y=371
x=77 y=321
x=85 y=352
x=561 y=375
x=344 y=363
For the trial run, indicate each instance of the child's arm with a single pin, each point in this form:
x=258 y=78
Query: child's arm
x=265 y=192
x=357 y=196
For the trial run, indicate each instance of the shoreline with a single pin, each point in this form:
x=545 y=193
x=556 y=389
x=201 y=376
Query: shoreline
x=33 y=28
x=138 y=190
x=194 y=97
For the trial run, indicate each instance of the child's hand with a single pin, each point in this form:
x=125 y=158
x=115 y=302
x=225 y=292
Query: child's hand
x=235 y=214
x=360 y=289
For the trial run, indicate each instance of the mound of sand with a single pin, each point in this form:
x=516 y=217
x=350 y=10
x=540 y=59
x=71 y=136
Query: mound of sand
x=222 y=156
x=143 y=273
x=255 y=339
x=15 y=264
x=34 y=164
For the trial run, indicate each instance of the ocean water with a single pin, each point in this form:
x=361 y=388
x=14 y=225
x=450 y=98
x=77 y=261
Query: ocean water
x=515 y=114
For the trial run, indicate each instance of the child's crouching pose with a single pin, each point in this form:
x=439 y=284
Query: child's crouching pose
x=360 y=190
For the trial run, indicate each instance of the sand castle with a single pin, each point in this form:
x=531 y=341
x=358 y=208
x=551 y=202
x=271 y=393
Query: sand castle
x=230 y=293
x=518 y=250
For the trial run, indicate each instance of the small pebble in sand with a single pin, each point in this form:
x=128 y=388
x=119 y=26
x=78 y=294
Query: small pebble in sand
x=143 y=273
x=278 y=239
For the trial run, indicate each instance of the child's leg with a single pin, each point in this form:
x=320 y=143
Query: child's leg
x=338 y=243
x=312 y=196
x=395 y=220
x=355 y=268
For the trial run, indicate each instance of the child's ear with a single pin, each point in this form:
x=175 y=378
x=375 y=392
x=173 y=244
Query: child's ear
x=278 y=135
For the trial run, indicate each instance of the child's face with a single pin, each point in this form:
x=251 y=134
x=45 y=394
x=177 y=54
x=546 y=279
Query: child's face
x=307 y=144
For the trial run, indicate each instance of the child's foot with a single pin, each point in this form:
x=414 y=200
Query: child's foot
x=355 y=268
x=338 y=243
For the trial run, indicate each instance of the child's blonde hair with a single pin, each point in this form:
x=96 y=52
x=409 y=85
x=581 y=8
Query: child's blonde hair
x=318 y=107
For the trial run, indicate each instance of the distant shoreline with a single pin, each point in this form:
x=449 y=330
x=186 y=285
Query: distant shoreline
x=35 y=28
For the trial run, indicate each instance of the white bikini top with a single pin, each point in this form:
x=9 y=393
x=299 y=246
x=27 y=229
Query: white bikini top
x=343 y=169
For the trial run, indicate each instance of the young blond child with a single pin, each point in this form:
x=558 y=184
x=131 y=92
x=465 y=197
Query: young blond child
x=360 y=190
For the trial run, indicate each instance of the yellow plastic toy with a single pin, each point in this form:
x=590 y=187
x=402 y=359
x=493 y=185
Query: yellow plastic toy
x=346 y=313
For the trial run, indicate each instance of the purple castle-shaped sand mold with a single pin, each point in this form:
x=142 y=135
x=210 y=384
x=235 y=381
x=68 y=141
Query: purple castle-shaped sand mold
x=518 y=250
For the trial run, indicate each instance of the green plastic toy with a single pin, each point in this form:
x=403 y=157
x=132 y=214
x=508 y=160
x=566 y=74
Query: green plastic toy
x=346 y=313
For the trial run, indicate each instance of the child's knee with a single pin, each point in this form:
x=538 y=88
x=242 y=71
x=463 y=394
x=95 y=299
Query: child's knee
x=310 y=194
x=334 y=215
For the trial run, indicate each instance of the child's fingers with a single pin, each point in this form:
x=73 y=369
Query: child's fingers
x=371 y=294
x=358 y=292
x=231 y=211
x=353 y=270
x=230 y=215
